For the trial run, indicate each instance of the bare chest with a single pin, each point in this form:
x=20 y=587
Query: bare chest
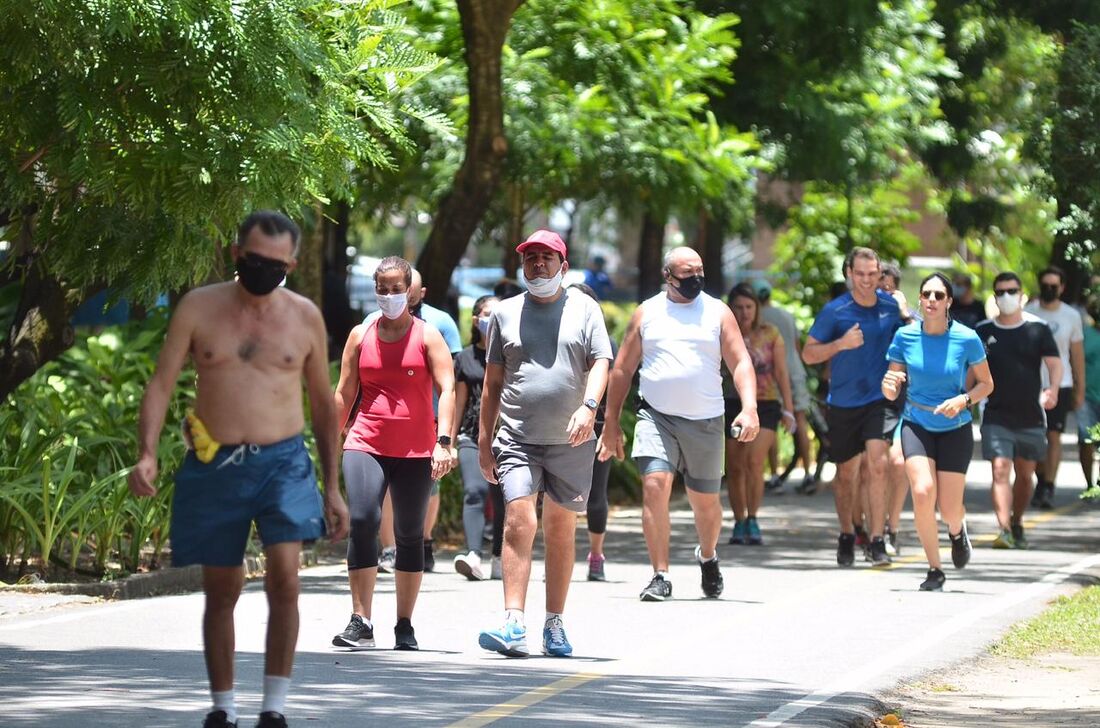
x=238 y=343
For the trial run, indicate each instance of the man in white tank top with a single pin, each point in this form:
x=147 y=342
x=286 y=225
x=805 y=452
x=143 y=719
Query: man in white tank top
x=680 y=338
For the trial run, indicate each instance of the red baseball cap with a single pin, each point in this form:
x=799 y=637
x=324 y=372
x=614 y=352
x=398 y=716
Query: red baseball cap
x=548 y=238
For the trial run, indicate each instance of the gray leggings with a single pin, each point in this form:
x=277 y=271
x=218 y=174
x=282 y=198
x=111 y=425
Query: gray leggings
x=476 y=489
x=367 y=477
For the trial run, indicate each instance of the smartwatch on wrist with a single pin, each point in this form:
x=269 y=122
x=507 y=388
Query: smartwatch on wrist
x=444 y=440
x=591 y=404
x=969 y=402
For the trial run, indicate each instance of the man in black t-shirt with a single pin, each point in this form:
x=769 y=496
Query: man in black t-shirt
x=965 y=309
x=1017 y=344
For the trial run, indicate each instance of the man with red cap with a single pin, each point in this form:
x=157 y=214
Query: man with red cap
x=545 y=372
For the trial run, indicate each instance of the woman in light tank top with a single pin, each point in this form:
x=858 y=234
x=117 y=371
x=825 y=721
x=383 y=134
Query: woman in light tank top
x=394 y=443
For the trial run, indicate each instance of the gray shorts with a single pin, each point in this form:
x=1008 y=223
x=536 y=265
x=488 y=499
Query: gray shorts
x=1029 y=443
x=800 y=394
x=696 y=448
x=563 y=471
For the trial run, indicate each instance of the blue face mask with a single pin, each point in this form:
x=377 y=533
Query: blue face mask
x=483 y=327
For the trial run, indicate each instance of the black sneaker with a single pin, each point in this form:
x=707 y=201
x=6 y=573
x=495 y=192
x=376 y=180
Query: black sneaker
x=712 y=575
x=1019 y=536
x=876 y=552
x=404 y=637
x=934 y=581
x=1037 y=494
x=271 y=719
x=1046 y=501
x=960 y=548
x=659 y=589
x=357 y=635
x=218 y=719
x=846 y=549
x=429 y=556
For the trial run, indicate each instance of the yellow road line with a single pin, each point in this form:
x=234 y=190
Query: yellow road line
x=526 y=700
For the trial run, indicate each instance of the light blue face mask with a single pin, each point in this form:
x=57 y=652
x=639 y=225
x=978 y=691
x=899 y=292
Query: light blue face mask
x=483 y=327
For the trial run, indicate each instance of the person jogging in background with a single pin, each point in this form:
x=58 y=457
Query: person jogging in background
x=1019 y=346
x=937 y=357
x=852 y=333
x=1088 y=416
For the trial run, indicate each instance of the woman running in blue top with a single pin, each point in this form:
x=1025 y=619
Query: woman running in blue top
x=936 y=355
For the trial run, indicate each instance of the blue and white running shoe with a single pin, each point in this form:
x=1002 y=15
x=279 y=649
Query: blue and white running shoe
x=510 y=640
x=554 y=641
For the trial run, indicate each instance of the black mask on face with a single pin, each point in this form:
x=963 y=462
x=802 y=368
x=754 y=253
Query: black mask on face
x=259 y=275
x=689 y=286
x=1048 y=292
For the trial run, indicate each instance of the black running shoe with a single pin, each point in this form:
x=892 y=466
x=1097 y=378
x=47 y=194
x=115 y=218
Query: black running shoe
x=846 y=549
x=358 y=634
x=271 y=719
x=712 y=575
x=218 y=719
x=876 y=552
x=960 y=548
x=934 y=581
x=429 y=556
x=659 y=589
x=404 y=637
x=1046 y=501
x=1019 y=536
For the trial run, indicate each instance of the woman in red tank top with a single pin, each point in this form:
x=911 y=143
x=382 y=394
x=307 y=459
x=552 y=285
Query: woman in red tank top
x=395 y=443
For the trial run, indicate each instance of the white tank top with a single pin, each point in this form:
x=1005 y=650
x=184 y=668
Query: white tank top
x=681 y=372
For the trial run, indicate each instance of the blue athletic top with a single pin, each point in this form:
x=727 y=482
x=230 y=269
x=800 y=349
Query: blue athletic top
x=856 y=374
x=937 y=365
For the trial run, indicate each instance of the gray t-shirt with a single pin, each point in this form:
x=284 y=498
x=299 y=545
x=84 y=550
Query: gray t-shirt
x=546 y=350
x=788 y=329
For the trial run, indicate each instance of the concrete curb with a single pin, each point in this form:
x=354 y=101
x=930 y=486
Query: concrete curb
x=155 y=583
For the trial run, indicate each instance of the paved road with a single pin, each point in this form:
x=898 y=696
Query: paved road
x=793 y=641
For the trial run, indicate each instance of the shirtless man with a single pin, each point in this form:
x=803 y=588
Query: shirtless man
x=252 y=343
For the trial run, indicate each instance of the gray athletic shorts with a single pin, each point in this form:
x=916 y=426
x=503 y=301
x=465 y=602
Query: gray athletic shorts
x=800 y=394
x=696 y=448
x=1029 y=443
x=564 y=472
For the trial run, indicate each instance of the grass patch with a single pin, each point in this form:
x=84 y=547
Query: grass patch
x=1070 y=624
x=942 y=688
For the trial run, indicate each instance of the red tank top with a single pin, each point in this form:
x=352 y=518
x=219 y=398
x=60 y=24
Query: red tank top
x=395 y=416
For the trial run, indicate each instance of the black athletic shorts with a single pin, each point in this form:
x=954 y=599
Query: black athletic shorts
x=768 y=410
x=951 y=450
x=1056 y=418
x=851 y=427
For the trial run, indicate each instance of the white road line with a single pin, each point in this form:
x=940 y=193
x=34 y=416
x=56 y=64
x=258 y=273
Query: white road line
x=19 y=624
x=856 y=679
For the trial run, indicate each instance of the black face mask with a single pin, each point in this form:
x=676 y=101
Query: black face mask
x=1048 y=293
x=690 y=286
x=259 y=275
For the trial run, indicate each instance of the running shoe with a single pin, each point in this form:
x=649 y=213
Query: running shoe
x=271 y=719
x=659 y=589
x=876 y=552
x=933 y=581
x=891 y=543
x=1004 y=540
x=738 y=535
x=1018 y=536
x=595 y=567
x=359 y=634
x=387 y=560
x=1046 y=501
x=862 y=539
x=469 y=565
x=404 y=636
x=1091 y=493
x=496 y=570
x=554 y=641
x=846 y=549
x=218 y=719
x=510 y=640
x=712 y=575
x=429 y=556
x=808 y=486
x=773 y=483
x=752 y=532
x=960 y=548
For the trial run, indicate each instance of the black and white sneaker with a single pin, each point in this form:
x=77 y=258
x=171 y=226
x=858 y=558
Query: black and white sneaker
x=271 y=719
x=933 y=581
x=876 y=552
x=960 y=548
x=659 y=589
x=846 y=549
x=218 y=719
x=404 y=637
x=359 y=634
x=712 y=576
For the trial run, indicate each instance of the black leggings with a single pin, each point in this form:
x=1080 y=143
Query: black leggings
x=367 y=478
x=597 y=497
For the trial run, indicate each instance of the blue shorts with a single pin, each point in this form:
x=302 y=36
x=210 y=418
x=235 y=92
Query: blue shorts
x=215 y=503
x=1087 y=418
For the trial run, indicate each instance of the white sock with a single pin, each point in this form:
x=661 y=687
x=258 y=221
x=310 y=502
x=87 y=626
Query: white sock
x=275 y=689
x=224 y=700
x=662 y=574
x=714 y=557
x=514 y=615
x=551 y=616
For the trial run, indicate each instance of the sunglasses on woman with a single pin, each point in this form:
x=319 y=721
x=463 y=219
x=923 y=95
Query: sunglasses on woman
x=934 y=295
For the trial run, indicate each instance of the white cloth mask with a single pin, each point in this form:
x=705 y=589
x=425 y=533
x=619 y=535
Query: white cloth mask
x=544 y=287
x=393 y=305
x=1008 y=303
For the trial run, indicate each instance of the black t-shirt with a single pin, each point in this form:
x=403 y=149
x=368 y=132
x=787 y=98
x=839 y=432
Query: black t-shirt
x=470 y=370
x=1016 y=361
x=968 y=314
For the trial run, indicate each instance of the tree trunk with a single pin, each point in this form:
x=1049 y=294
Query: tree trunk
x=509 y=258
x=40 y=329
x=335 y=303
x=311 y=252
x=485 y=25
x=710 y=238
x=651 y=255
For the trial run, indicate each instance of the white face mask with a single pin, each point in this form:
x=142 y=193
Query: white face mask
x=1008 y=303
x=544 y=287
x=393 y=305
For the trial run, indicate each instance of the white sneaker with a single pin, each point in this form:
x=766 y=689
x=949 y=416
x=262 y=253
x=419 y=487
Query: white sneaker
x=497 y=569
x=469 y=565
